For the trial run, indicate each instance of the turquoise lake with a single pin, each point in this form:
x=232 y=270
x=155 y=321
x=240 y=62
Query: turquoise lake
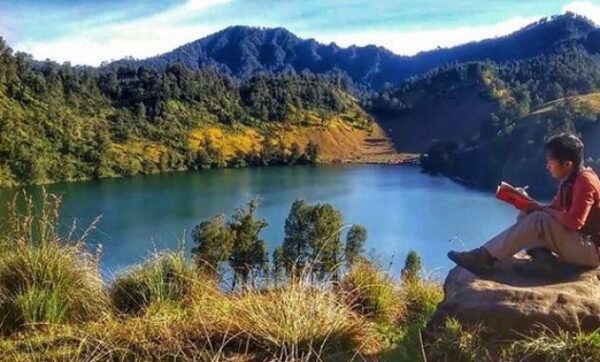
x=401 y=208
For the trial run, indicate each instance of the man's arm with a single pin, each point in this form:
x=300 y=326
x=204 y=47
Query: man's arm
x=583 y=200
x=555 y=202
x=538 y=206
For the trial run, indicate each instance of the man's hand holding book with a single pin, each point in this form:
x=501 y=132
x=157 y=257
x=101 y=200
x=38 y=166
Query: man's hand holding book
x=518 y=197
x=533 y=204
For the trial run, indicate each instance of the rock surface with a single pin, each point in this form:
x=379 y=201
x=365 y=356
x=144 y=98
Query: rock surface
x=508 y=304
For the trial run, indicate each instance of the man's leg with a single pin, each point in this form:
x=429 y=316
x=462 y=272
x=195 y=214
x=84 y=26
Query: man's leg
x=516 y=237
x=536 y=245
x=540 y=226
x=521 y=215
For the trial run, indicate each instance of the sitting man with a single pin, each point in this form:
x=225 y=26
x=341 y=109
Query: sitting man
x=568 y=227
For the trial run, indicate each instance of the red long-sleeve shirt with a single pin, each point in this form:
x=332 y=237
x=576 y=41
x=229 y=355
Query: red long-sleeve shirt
x=584 y=213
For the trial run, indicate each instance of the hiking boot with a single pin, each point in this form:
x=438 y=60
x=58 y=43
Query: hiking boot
x=477 y=261
x=542 y=264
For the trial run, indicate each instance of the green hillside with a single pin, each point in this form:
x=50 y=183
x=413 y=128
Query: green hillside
x=64 y=123
x=483 y=122
x=447 y=104
x=515 y=151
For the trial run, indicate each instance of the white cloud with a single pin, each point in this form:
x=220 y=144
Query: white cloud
x=586 y=8
x=168 y=29
x=92 y=50
x=414 y=41
x=140 y=38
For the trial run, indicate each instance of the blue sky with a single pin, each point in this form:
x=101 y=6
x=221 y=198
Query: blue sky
x=88 y=32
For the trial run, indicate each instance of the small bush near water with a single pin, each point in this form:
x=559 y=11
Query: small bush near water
x=163 y=279
x=45 y=279
x=373 y=294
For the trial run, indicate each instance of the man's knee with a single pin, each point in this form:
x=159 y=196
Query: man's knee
x=539 y=218
x=539 y=215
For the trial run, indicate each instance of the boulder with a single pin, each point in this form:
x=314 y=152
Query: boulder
x=508 y=304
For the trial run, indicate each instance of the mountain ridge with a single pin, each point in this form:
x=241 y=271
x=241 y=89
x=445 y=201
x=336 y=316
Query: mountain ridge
x=255 y=77
x=241 y=51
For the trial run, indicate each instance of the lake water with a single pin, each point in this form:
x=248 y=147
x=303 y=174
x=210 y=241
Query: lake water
x=401 y=208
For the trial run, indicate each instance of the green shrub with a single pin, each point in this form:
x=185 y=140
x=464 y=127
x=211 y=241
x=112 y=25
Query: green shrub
x=165 y=278
x=412 y=266
x=43 y=278
x=372 y=293
x=421 y=298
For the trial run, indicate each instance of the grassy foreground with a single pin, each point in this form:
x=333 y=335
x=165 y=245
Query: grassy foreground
x=55 y=307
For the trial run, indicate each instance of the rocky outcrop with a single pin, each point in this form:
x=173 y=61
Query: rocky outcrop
x=508 y=304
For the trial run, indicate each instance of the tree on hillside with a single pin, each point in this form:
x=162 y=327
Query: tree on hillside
x=295 y=155
x=324 y=240
x=268 y=151
x=312 y=151
x=279 y=265
x=296 y=249
x=412 y=266
x=249 y=252
x=312 y=241
x=214 y=243
x=355 y=240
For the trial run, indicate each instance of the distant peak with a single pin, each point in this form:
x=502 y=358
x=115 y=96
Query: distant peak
x=248 y=28
x=567 y=19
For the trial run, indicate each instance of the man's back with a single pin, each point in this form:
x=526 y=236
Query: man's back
x=583 y=213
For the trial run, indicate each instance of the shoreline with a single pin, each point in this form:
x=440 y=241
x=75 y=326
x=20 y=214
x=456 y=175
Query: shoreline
x=385 y=159
x=388 y=159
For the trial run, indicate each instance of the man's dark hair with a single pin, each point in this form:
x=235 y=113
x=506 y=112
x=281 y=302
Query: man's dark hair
x=565 y=147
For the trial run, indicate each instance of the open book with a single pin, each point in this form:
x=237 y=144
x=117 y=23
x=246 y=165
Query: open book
x=513 y=195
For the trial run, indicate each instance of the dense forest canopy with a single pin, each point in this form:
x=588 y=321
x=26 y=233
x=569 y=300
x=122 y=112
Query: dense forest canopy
x=61 y=123
x=536 y=98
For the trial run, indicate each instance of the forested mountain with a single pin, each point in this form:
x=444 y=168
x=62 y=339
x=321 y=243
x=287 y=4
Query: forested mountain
x=62 y=123
x=241 y=51
x=246 y=96
x=483 y=122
